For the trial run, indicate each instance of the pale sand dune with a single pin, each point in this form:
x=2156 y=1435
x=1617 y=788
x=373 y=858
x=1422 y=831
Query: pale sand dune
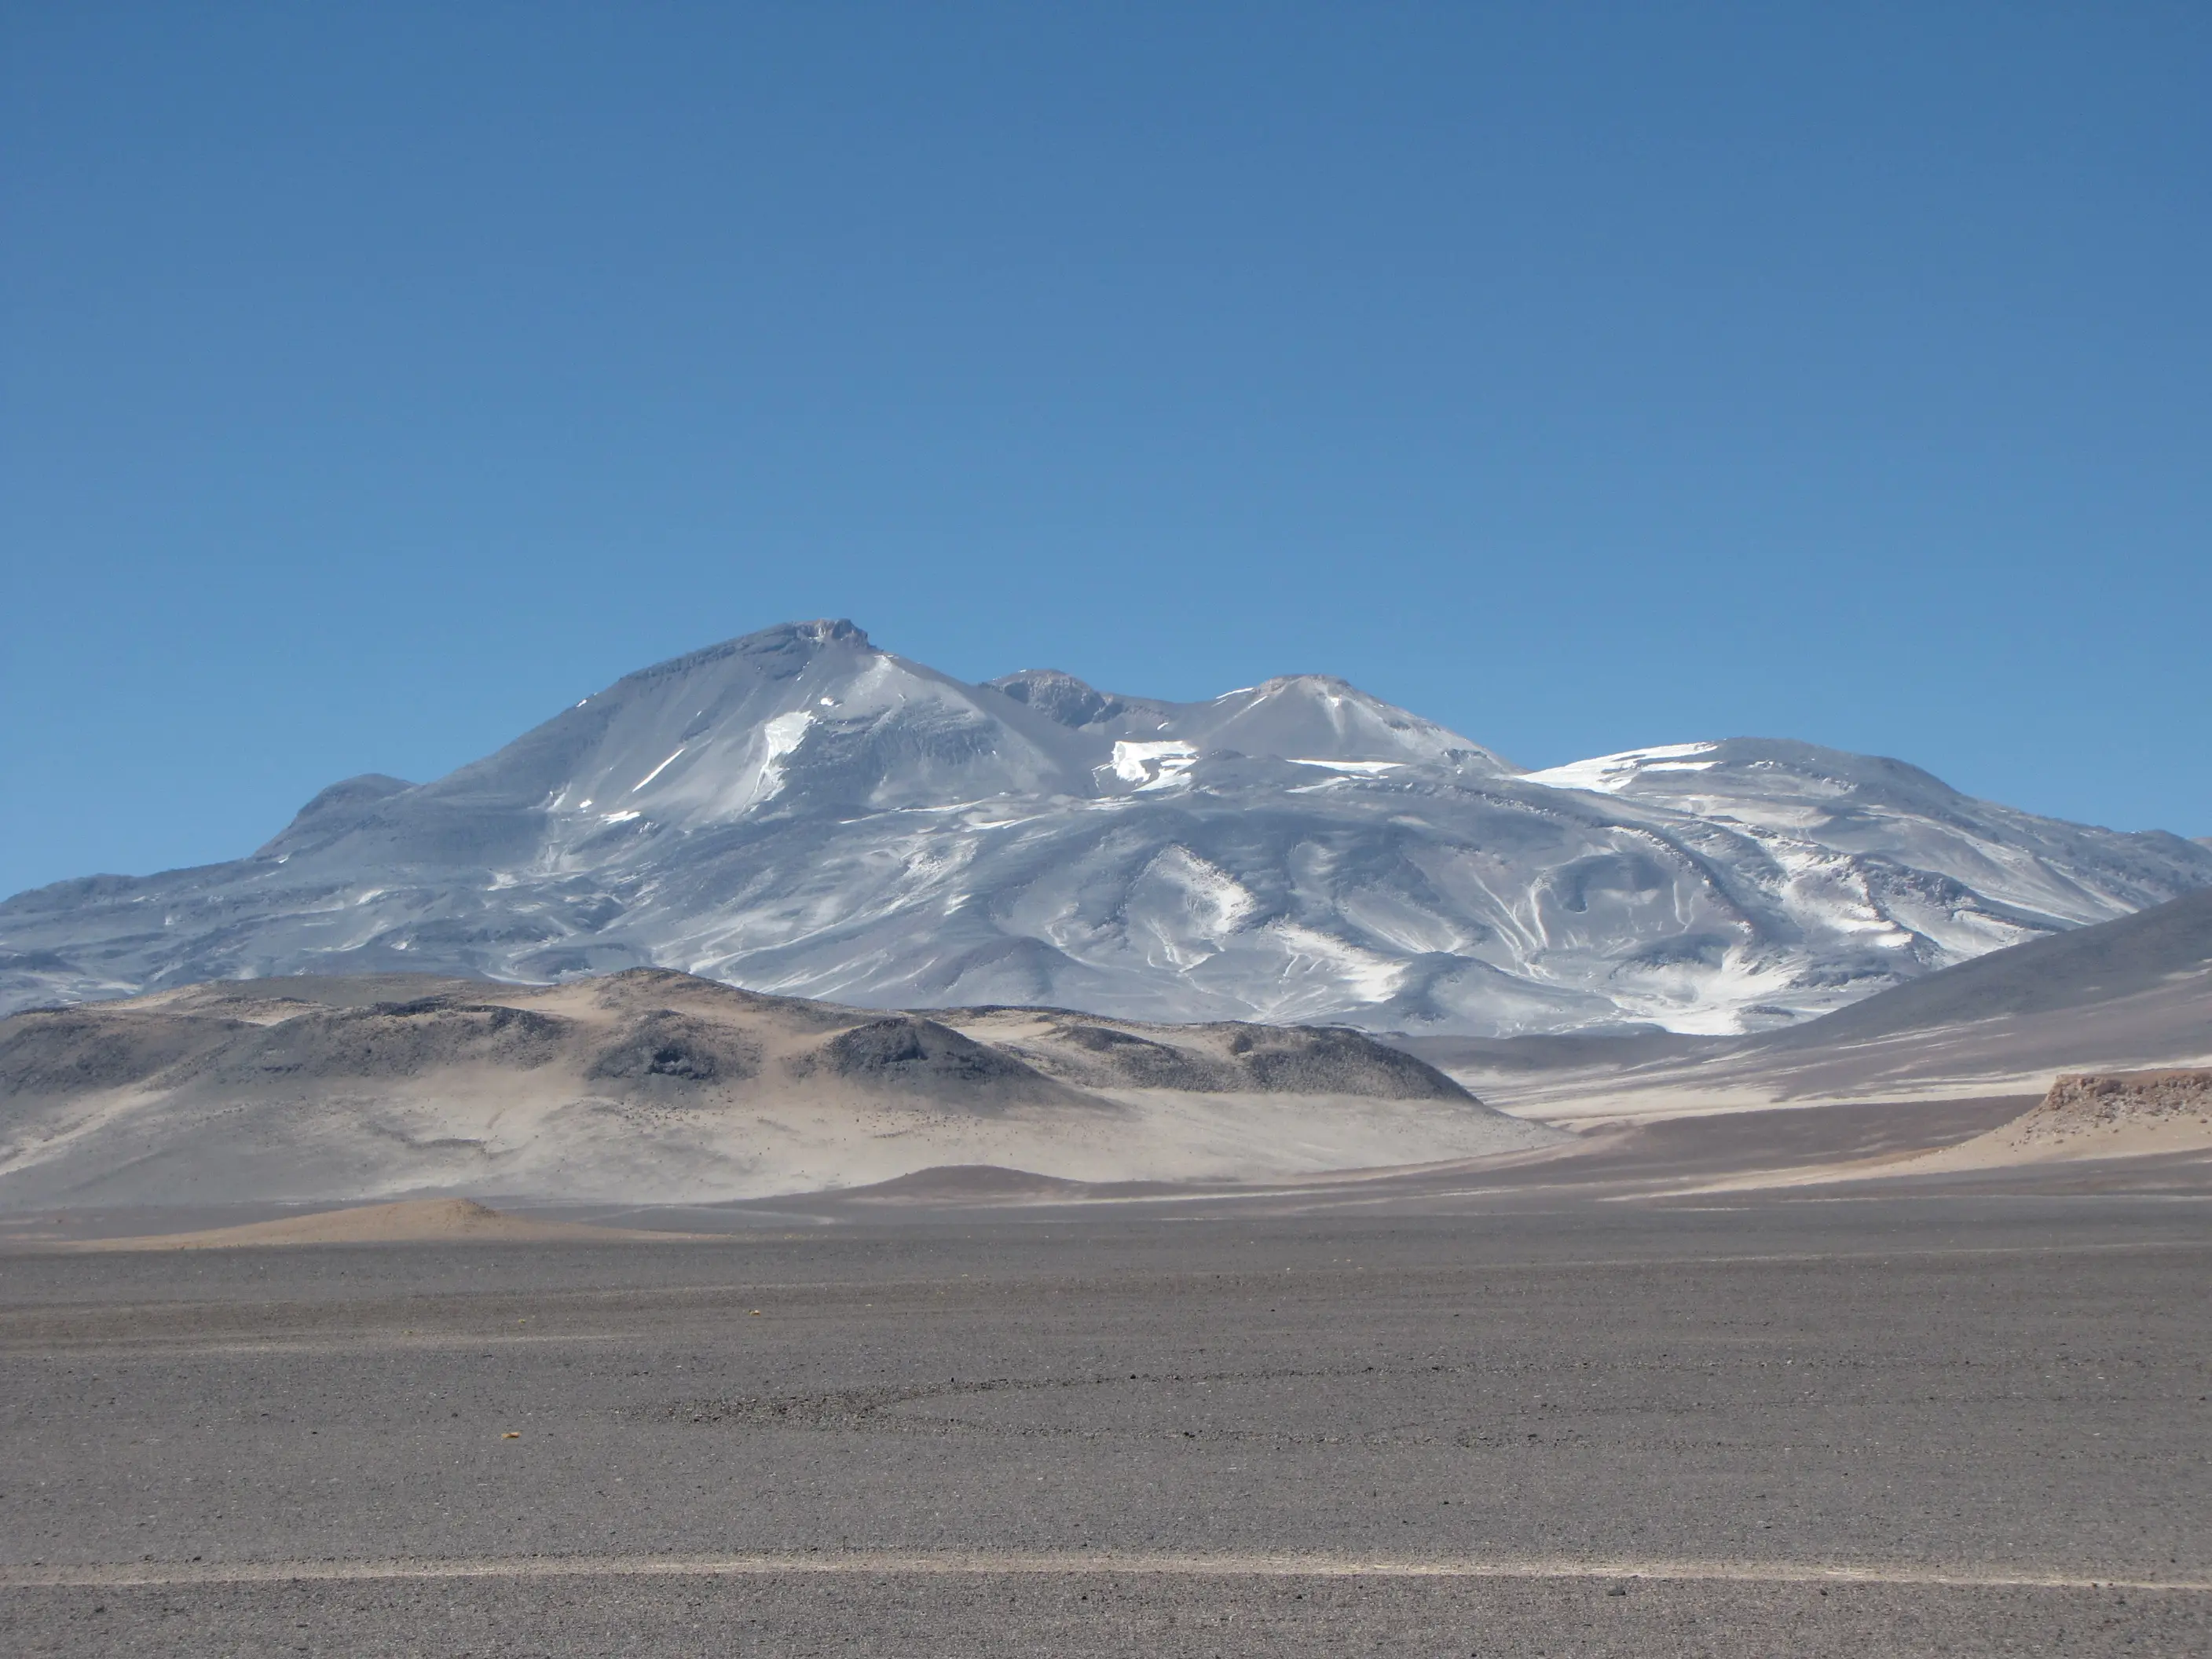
x=2084 y=1117
x=414 y=1221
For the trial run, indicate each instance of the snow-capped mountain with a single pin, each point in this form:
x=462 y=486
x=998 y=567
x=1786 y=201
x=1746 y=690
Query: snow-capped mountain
x=800 y=812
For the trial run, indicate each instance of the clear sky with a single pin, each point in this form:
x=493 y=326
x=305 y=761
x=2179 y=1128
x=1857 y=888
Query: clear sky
x=379 y=378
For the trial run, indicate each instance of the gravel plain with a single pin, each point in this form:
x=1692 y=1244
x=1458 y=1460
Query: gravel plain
x=1903 y=1425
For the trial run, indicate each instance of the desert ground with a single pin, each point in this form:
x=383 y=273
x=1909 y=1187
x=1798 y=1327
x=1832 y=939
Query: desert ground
x=1880 y=1344
x=1545 y=1406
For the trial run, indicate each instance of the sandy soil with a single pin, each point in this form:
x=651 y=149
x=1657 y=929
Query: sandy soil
x=2131 y=1114
x=2082 y=1118
x=414 y=1221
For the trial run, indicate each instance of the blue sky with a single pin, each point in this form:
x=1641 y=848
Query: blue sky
x=379 y=379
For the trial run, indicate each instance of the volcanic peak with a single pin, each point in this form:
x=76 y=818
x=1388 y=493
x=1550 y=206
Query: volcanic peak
x=1059 y=697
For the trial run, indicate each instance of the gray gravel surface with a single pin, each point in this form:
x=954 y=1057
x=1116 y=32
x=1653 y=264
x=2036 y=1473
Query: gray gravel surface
x=1965 y=1426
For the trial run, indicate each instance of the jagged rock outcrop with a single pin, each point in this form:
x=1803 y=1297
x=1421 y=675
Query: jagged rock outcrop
x=2087 y=1106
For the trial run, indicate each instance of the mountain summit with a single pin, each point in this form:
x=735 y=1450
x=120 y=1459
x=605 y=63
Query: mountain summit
x=802 y=812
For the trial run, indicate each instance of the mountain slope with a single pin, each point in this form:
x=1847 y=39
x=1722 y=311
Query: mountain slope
x=2123 y=995
x=2074 y=979
x=799 y=812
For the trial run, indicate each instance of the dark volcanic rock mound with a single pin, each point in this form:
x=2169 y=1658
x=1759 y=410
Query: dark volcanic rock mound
x=76 y=1051
x=920 y=1056
x=396 y=1040
x=1326 y=1060
x=666 y=1045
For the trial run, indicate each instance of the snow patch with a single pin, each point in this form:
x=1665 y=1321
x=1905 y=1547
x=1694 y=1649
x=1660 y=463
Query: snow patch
x=1364 y=769
x=1183 y=906
x=1153 y=765
x=1367 y=975
x=654 y=774
x=1611 y=774
x=779 y=737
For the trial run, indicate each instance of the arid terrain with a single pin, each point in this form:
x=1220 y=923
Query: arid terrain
x=654 y=1088
x=1903 y=1425
x=642 y=1315
x=649 y=1086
